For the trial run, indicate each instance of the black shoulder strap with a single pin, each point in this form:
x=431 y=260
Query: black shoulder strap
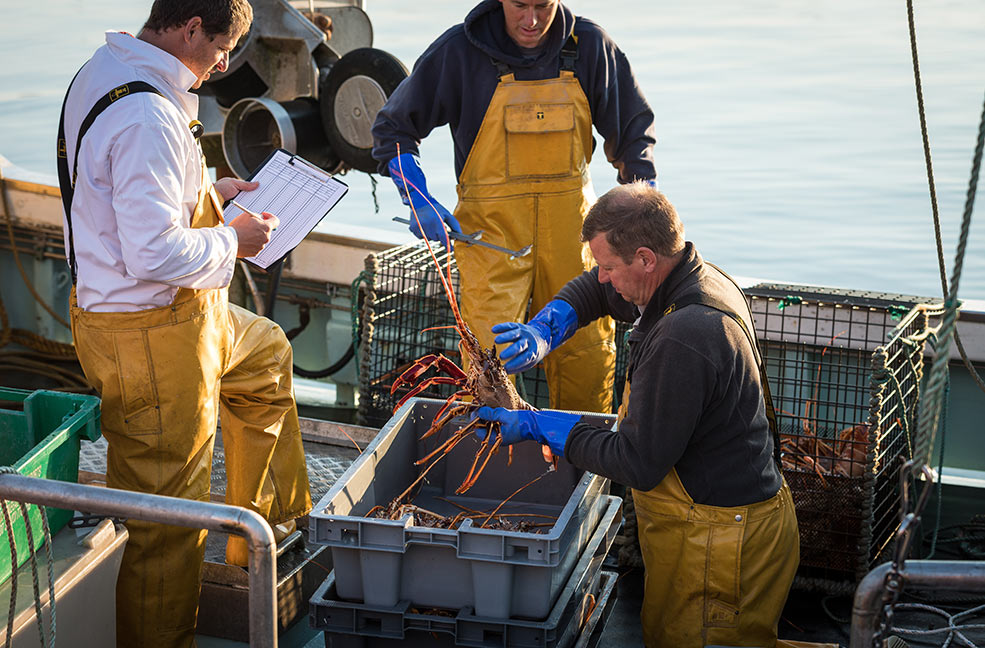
x=66 y=181
x=502 y=69
x=569 y=53
x=723 y=308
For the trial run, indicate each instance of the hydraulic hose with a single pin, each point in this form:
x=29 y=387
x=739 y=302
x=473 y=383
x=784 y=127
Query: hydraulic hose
x=305 y=317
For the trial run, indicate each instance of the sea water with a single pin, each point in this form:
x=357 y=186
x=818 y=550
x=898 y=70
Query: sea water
x=788 y=131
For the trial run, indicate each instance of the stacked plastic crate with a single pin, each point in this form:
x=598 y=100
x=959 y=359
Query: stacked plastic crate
x=488 y=580
x=41 y=432
x=40 y=435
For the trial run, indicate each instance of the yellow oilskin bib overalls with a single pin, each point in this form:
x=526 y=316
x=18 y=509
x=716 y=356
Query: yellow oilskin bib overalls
x=525 y=182
x=164 y=374
x=714 y=575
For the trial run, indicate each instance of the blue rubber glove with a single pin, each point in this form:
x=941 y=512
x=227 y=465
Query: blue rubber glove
x=531 y=342
x=653 y=183
x=547 y=428
x=432 y=215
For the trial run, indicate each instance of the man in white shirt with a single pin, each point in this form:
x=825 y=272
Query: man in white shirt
x=152 y=325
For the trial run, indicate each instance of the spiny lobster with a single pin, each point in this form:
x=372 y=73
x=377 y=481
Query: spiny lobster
x=484 y=380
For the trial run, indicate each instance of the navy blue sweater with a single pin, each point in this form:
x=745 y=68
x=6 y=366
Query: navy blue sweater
x=453 y=82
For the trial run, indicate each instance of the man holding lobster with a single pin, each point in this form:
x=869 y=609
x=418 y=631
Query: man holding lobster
x=695 y=439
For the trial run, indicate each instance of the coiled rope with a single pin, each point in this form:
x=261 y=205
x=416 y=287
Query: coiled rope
x=363 y=330
x=9 y=526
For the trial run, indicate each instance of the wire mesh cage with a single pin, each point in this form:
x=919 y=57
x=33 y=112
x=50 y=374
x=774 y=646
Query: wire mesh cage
x=844 y=371
x=406 y=316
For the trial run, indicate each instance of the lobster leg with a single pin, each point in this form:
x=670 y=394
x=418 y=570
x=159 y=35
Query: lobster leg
x=472 y=478
x=449 y=443
x=440 y=421
x=414 y=372
x=475 y=462
x=451 y=368
x=423 y=364
x=424 y=384
x=448 y=403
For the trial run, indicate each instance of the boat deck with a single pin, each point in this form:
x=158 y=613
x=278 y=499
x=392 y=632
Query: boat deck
x=808 y=616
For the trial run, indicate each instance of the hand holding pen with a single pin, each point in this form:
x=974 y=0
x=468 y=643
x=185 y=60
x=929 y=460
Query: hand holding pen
x=252 y=230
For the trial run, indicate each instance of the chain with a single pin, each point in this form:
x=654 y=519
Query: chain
x=376 y=201
x=909 y=521
x=86 y=520
x=892 y=587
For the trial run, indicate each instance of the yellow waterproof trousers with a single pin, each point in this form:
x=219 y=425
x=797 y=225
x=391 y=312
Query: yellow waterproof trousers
x=526 y=182
x=164 y=376
x=714 y=575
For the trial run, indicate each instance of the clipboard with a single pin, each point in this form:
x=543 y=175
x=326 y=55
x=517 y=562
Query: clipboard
x=296 y=191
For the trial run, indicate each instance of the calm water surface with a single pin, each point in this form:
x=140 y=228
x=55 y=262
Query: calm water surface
x=788 y=132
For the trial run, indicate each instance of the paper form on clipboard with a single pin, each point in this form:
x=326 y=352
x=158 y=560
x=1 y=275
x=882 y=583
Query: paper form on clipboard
x=295 y=191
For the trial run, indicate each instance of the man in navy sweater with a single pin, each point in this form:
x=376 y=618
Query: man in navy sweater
x=521 y=83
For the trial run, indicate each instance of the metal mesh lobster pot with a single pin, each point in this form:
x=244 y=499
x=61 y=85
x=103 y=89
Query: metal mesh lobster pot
x=404 y=315
x=845 y=370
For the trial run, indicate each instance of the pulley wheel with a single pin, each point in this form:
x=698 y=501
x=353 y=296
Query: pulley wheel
x=351 y=95
x=256 y=126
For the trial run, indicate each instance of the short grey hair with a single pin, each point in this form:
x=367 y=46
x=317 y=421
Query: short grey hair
x=632 y=216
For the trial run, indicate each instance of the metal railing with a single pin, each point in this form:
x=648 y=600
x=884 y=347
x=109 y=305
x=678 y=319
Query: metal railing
x=177 y=512
x=942 y=575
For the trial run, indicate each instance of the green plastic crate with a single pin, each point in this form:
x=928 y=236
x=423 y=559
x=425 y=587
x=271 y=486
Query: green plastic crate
x=41 y=439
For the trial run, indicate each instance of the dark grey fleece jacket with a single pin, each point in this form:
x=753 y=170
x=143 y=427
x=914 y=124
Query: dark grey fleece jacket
x=696 y=403
x=454 y=80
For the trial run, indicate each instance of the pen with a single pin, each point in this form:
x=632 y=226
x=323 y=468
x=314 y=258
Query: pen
x=250 y=212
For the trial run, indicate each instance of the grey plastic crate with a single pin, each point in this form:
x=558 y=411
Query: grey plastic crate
x=500 y=573
x=591 y=632
x=588 y=636
x=355 y=625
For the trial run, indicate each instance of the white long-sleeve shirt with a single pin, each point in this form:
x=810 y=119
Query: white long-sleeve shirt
x=139 y=176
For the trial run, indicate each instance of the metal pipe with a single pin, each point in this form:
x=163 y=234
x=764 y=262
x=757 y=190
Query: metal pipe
x=176 y=512
x=942 y=575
